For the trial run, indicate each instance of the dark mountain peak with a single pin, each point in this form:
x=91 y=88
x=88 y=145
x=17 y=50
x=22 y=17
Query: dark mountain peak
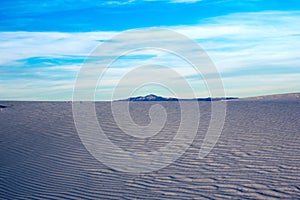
x=151 y=97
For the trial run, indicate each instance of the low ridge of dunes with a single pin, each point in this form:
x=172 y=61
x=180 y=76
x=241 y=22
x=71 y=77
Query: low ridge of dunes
x=280 y=97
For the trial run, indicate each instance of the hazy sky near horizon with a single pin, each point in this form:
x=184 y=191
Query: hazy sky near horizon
x=254 y=44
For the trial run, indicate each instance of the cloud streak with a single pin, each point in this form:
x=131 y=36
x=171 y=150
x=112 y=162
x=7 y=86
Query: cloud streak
x=247 y=48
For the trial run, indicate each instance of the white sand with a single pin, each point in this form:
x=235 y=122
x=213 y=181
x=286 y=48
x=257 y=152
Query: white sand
x=256 y=157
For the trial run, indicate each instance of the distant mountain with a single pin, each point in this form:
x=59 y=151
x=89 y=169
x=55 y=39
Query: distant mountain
x=153 y=97
x=216 y=99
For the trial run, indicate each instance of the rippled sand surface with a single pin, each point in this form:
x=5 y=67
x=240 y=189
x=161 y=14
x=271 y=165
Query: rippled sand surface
x=256 y=157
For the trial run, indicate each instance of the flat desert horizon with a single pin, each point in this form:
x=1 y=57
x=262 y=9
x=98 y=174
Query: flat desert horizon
x=149 y=99
x=256 y=157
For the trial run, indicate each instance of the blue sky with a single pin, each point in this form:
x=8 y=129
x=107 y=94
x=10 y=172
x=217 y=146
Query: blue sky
x=253 y=43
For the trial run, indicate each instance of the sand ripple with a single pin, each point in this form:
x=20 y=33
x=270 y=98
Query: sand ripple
x=257 y=156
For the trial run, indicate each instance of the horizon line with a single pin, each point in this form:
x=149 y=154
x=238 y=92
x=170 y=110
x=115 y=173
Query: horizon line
x=180 y=99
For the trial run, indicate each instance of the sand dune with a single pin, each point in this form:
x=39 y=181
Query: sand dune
x=282 y=97
x=256 y=157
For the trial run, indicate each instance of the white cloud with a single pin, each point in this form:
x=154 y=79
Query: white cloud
x=248 y=40
x=238 y=42
x=15 y=46
x=184 y=1
x=118 y=3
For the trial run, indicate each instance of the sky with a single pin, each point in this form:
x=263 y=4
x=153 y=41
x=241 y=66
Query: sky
x=254 y=45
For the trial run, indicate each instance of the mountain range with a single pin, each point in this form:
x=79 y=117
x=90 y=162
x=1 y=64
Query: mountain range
x=153 y=97
x=274 y=97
